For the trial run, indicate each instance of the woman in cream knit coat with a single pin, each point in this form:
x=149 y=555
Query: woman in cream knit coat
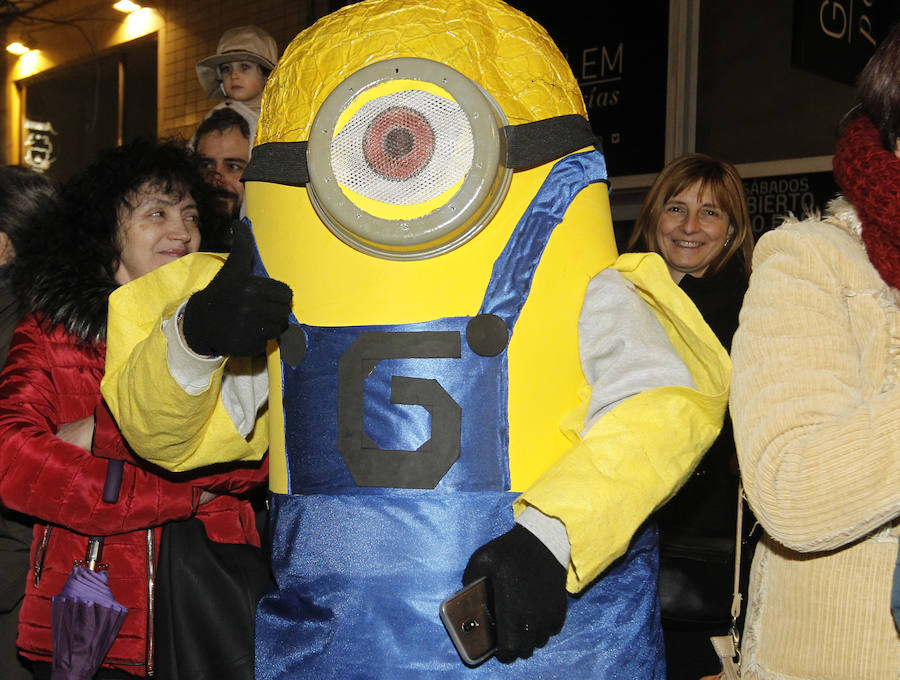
x=816 y=411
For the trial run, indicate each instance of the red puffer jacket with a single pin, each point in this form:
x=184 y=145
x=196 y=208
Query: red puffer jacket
x=52 y=378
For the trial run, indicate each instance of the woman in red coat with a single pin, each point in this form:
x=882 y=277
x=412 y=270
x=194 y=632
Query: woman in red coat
x=135 y=209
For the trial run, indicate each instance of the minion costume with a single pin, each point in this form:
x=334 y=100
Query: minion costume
x=424 y=180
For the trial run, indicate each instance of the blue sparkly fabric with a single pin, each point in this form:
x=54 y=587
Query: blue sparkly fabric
x=361 y=567
x=360 y=579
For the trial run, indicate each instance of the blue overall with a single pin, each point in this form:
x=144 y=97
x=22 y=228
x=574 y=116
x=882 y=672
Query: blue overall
x=396 y=441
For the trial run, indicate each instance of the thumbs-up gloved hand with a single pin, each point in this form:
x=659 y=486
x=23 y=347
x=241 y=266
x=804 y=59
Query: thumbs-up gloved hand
x=238 y=312
x=529 y=588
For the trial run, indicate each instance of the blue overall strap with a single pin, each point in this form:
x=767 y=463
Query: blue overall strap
x=514 y=270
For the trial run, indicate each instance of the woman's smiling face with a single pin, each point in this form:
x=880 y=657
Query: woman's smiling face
x=692 y=232
x=160 y=228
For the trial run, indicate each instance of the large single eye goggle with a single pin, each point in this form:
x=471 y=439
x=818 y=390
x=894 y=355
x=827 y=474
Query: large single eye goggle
x=407 y=158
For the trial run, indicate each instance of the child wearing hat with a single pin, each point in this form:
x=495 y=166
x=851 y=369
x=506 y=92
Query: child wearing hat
x=238 y=71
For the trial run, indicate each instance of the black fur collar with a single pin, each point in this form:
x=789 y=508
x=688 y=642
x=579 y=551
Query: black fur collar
x=67 y=293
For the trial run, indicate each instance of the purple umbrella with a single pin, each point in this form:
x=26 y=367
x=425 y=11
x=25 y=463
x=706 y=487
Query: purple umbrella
x=85 y=620
x=84 y=617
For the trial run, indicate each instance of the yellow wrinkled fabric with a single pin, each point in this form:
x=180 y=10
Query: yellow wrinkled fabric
x=491 y=43
x=163 y=423
x=638 y=454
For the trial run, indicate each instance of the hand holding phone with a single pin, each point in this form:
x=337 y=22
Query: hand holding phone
x=469 y=619
x=528 y=591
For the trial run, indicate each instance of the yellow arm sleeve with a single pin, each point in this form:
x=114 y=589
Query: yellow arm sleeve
x=636 y=456
x=163 y=423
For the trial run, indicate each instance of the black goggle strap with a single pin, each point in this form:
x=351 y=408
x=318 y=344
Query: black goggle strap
x=527 y=146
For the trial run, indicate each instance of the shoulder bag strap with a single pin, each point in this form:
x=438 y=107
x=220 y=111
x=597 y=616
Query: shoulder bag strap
x=728 y=646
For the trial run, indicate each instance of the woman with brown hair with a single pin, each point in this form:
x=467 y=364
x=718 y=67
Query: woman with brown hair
x=711 y=192
x=815 y=402
x=695 y=216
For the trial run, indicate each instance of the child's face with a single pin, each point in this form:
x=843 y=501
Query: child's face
x=242 y=80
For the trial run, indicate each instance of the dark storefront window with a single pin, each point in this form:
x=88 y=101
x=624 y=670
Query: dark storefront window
x=618 y=52
x=775 y=77
x=71 y=112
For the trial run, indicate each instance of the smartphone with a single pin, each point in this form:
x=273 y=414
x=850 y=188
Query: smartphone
x=469 y=619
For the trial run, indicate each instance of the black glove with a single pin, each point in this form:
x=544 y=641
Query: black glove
x=237 y=312
x=529 y=588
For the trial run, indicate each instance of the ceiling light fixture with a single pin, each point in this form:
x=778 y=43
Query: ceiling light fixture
x=17 y=48
x=126 y=6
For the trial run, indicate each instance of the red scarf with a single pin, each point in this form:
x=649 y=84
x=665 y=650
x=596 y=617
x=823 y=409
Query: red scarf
x=869 y=176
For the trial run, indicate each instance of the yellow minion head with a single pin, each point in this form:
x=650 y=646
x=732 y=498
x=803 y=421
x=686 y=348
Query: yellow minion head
x=411 y=119
x=399 y=145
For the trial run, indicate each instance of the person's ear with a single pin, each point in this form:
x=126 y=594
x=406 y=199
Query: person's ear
x=7 y=252
x=897 y=148
x=728 y=236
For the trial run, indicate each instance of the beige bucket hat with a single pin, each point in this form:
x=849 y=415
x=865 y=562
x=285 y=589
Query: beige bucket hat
x=244 y=43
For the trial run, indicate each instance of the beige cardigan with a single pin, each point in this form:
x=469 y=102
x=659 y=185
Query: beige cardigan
x=816 y=410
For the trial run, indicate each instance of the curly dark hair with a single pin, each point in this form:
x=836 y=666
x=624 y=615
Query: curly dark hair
x=94 y=198
x=67 y=272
